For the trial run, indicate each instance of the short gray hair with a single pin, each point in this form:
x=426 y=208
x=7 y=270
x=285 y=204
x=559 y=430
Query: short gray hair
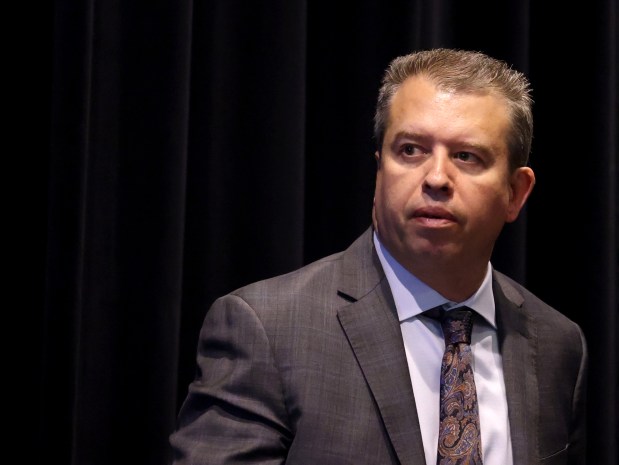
x=468 y=72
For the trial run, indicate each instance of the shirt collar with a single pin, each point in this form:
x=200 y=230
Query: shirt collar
x=413 y=296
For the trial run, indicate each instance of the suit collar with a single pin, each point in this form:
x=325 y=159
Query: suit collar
x=361 y=268
x=413 y=297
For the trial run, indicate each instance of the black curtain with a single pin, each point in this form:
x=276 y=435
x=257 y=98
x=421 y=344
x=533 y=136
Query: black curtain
x=170 y=151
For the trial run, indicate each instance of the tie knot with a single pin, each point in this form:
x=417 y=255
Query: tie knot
x=457 y=325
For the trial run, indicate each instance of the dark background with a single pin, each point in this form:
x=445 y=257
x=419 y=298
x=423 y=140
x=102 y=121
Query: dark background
x=162 y=153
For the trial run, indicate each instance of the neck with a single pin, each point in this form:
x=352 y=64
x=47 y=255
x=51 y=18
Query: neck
x=454 y=283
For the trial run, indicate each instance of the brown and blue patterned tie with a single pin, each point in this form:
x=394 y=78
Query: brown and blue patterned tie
x=459 y=440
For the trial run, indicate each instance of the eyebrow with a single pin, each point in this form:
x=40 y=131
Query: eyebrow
x=410 y=135
x=423 y=139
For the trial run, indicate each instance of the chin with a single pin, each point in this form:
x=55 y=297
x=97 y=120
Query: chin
x=431 y=244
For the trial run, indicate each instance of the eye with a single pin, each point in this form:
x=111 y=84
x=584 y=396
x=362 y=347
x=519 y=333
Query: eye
x=410 y=150
x=465 y=156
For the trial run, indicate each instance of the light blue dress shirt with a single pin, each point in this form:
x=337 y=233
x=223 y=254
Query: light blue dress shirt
x=424 y=345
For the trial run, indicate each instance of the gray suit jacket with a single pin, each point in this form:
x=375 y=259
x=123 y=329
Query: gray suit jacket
x=309 y=368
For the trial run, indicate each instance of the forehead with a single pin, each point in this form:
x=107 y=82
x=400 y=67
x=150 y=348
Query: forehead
x=420 y=107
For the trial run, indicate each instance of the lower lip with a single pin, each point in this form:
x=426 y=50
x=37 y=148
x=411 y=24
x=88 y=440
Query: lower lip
x=433 y=222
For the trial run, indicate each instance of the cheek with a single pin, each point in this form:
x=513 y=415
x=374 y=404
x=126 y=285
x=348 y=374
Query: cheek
x=389 y=198
x=395 y=194
x=488 y=197
x=398 y=184
x=378 y=188
x=495 y=203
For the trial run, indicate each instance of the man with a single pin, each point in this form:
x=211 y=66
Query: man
x=340 y=362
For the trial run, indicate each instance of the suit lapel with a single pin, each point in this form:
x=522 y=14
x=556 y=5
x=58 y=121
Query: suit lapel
x=373 y=330
x=517 y=334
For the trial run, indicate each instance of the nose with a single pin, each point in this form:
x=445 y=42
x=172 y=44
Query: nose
x=438 y=176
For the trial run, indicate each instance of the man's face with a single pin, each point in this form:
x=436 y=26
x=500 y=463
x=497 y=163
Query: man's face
x=443 y=186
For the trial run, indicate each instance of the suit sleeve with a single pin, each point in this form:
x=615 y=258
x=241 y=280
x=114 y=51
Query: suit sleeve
x=234 y=412
x=578 y=431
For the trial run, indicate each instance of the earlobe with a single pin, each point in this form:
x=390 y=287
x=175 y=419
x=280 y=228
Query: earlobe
x=522 y=183
x=377 y=158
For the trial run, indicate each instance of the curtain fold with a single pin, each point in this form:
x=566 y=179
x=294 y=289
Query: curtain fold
x=198 y=146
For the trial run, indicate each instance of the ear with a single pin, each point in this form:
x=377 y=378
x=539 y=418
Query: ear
x=521 y=184
x=377 y=158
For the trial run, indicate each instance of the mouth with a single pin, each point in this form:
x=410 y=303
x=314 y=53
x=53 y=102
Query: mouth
x=434 y=216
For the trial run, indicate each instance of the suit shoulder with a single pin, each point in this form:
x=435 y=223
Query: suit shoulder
x=543 y=312
x=353 y=269
x=318 y=275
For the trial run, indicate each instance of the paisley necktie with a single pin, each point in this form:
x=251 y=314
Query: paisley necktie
x=459 y=441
